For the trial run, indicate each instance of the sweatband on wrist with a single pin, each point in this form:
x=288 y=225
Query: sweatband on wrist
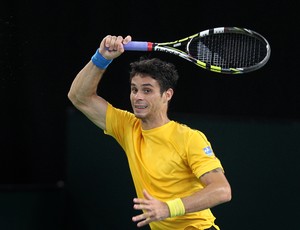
x=176 y=207
x=100 y=61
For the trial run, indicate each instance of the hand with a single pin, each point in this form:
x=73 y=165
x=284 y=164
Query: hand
x=112 y=46
x=154 y=210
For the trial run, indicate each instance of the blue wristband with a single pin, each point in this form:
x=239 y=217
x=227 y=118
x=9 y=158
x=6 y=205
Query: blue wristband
x=100 y=61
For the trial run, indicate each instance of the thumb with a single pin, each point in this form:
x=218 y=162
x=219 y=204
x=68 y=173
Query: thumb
x=147 y=195
x=127 y=39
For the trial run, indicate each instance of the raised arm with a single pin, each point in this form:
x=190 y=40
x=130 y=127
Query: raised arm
x=83 y=91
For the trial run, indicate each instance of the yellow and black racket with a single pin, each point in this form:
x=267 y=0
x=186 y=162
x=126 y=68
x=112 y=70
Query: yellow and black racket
x=229 y=50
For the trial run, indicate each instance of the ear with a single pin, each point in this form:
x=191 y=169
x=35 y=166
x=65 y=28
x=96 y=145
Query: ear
x=169 y=94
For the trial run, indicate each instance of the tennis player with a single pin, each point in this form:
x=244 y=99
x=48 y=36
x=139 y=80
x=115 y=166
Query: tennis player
x=176 y=174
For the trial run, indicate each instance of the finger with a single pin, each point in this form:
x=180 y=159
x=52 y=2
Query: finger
x=112 y=44
x=144 y=222
x=144 y=207
x=140 y=201
x=107 y=41
x=127 y=39
x=142 y=219
x=119 y=44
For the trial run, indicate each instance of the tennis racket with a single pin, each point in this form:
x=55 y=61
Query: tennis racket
x=229 y=50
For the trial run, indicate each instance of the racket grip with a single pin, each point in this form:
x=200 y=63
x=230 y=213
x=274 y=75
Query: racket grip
x=138 y=46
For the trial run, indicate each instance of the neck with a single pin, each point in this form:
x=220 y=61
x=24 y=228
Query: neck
x=147 y=124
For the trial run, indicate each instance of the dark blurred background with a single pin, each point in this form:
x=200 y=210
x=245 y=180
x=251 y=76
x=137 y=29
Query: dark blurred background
x=57 y=171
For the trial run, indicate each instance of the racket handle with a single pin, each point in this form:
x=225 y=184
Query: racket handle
x=138 y=46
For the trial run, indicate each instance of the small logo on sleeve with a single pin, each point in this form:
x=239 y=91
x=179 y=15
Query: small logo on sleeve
x=208 y=151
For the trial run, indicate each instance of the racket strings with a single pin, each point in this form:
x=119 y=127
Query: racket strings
x=228 y=50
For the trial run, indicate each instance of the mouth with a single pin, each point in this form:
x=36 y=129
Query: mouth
x=140 y=106
x=140 y=111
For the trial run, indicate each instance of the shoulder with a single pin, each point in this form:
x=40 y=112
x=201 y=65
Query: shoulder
x=187 y=129
x=113 y=111
x=119 y=121
x=121 y=118
x=186 y=133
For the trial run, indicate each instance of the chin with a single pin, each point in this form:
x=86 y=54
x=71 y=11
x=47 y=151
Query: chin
x=139 y=115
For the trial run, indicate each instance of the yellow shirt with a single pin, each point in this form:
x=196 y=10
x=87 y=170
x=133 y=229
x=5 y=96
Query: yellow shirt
x=166 y=161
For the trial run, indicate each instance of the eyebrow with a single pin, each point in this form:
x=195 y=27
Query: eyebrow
x=146 y=84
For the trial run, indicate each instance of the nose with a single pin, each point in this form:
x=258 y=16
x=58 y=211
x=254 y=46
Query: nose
x=137 y=95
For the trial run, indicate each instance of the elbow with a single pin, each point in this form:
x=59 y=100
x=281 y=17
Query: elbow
x=226 y=194
x=73 y=98
x=78 y=100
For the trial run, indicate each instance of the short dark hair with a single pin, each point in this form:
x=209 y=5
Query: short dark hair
x=163 y=72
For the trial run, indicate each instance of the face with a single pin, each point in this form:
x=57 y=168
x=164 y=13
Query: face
x=146 y=99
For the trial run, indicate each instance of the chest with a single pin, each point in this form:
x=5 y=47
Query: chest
x=164 y=157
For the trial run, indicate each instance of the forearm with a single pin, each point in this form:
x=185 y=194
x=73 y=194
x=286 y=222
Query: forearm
x=156 y=210
x=85 y=84
x=216 y=191
x=208 y=197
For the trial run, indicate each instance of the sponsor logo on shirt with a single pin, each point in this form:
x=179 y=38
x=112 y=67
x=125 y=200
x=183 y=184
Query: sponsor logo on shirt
x=208 y=151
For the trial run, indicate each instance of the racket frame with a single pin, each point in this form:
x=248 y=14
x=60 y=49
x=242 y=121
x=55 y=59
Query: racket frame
x=171 y=47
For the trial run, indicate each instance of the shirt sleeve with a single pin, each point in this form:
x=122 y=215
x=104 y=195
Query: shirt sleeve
x=118 y=123
x=200 y=155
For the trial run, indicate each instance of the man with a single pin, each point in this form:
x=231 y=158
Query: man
x=176 y=174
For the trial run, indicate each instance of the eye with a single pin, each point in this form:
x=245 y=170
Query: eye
x=146 y=91
x=134 y=90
